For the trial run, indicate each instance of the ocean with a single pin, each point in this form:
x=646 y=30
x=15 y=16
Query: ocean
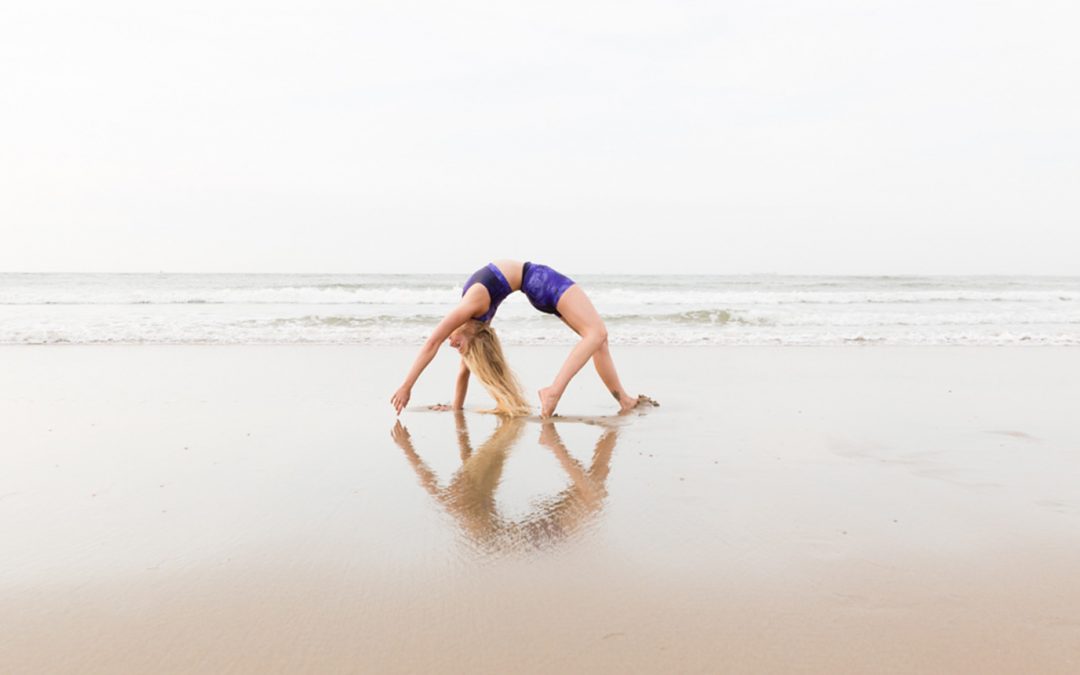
x=381 y=309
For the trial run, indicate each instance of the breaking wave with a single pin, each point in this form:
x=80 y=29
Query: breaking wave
x=402 y=309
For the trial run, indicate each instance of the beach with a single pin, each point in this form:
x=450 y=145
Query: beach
x=819 y=509
x=829 y=247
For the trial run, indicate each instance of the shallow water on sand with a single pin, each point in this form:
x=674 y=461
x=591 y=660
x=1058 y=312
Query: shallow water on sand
x=254 y=509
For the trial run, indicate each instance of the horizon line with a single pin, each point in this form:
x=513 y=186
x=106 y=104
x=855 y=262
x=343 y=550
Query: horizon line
x=640 y=274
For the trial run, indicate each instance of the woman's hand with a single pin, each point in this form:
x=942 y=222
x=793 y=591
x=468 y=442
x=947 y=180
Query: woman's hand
x=400 y=398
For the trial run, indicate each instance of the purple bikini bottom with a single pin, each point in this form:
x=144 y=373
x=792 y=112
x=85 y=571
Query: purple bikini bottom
x=543 y=286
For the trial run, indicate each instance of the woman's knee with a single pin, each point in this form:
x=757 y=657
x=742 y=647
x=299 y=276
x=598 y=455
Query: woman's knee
x=596 y=335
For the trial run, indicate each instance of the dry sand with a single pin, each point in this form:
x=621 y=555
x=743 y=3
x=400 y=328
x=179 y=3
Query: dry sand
x=822 y=510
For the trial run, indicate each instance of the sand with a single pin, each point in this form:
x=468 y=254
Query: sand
x=821 y=510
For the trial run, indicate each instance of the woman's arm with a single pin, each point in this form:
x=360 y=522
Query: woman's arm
x=461 y=387
x=457 y=316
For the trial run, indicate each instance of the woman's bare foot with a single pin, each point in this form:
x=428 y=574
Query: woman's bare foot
x=549 y=398
x=629 y=403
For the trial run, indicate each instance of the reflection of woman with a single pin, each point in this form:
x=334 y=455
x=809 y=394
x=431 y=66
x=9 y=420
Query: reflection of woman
x=468 y=329
x=470 y=496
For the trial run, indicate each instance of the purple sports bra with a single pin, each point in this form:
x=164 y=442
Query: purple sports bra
x=497 y=287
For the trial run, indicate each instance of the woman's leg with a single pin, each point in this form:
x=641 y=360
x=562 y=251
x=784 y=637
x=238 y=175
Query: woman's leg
x=578 y=313
x=605 y=368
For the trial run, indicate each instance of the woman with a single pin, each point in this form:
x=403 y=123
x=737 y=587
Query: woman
x=468 y=329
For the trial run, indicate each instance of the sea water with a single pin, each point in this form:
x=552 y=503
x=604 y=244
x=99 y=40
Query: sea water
x=638 y=309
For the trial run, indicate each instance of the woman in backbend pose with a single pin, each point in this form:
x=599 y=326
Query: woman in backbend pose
x=468 y=328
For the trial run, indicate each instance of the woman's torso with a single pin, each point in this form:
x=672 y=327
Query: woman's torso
x=511 y=269
x=543 y=287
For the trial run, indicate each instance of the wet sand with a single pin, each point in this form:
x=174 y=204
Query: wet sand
x=821 y=510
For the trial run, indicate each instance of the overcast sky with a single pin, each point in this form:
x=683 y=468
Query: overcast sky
x=847 y=137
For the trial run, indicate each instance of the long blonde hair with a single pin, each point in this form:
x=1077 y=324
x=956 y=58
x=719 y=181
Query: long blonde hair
x=484 y=357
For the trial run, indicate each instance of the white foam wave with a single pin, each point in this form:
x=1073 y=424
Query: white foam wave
x=292 y=295
x=351 y=309
x=179 y=290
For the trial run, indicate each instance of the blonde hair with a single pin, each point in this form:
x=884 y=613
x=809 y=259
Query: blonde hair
x=484 y=357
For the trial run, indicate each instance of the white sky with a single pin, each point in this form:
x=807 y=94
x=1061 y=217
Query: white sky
x=860 y=136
